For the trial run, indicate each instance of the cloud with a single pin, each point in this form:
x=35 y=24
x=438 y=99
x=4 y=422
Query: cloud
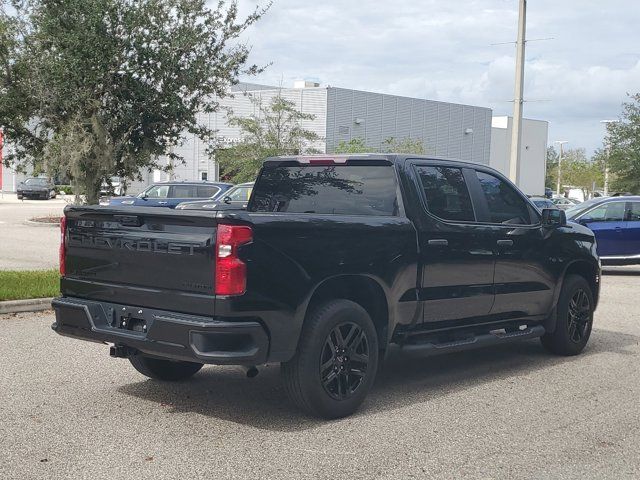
x=443 y=51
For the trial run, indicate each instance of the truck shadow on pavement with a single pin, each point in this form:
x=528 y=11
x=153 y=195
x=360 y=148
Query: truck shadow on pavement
x=261 y=402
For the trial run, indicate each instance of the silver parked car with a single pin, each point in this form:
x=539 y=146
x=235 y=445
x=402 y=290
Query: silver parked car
x=564 y=203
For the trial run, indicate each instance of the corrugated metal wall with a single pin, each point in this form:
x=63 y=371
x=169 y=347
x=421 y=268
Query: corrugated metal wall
x=439 y=126
x=308 y=100
x=193 y=150
x=342 y=114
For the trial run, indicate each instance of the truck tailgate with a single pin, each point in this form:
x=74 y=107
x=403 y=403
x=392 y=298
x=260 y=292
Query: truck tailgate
x=153 y=256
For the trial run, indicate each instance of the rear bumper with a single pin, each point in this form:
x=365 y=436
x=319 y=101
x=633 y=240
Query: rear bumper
x=33 y=194
x=163 y=334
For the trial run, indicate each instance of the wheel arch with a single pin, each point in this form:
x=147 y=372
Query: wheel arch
x=590 y=271
x=361 y=289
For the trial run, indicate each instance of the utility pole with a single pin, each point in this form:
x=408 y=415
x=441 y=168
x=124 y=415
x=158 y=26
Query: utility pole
x=516 y=131
x=561 y=143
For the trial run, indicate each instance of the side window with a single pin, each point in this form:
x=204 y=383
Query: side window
x=634 y=212
x=240 y=194
x=183 y=191
x=610 y=212
x=207 y=191
x=446 y=193
x=504 y=202
x=158 y=191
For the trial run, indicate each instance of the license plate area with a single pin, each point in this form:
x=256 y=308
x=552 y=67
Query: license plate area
x=133 y=320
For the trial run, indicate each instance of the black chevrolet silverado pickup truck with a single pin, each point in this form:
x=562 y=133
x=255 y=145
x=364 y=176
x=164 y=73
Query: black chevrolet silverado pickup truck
x=334 y=259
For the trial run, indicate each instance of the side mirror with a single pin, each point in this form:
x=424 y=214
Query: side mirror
x=585 y=220
x=554 y=217
x=227 y=200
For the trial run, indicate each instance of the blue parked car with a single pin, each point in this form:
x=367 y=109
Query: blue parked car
x=616 y=224
x=170 y=194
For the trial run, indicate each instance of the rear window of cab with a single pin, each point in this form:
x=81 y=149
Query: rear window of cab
x=333 y=189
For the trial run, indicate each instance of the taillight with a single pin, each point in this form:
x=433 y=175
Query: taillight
x=63 y=249
x=231 y=272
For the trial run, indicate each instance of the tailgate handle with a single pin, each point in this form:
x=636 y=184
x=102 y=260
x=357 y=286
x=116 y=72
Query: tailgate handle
x=128 y=220
x=505 y=243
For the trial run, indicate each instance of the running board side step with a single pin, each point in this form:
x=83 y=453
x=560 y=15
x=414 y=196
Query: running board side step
x=476 y=341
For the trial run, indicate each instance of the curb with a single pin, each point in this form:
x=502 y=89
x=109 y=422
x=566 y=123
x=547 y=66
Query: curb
x=42 y=224
x=30 y=305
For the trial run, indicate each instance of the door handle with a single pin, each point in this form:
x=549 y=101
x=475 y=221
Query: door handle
x=505 y=243
x=438 y=242
x=162 y=203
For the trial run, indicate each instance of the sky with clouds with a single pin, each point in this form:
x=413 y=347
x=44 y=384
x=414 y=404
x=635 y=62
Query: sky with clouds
x=443 y=50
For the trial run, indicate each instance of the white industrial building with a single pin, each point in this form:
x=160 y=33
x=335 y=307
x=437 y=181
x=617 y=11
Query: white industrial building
x=445 y=129
x=448 y=130
x=532 y=167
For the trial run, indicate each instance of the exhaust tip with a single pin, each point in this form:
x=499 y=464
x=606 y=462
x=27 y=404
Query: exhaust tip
x=252 y=372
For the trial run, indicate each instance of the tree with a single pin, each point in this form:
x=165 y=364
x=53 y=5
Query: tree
x=404 y=145
x=103 y=87
x=623 y=144
x=355 y=145
x=580 y=172
x=551 y=177
x=389 y=145
x=577 y=170
x=274 y=130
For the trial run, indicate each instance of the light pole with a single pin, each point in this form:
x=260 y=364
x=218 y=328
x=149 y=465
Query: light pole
x=561 y=143
x=607 y=152
x=518 y=101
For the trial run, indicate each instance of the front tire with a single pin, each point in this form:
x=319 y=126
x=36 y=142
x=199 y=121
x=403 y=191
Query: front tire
x=336 y=361
x=167 y=370
x=574 y=318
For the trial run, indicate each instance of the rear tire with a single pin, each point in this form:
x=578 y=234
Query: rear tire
x=336 y=361
x=574 y=318
x=167 y=370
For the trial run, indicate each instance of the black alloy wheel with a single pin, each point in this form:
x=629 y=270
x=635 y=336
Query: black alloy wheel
x=344 y=360
x=579 y=316
x=570 y=332
x=336 y=361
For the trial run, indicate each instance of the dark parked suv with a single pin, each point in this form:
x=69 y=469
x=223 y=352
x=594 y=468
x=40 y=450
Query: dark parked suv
x=334 y=259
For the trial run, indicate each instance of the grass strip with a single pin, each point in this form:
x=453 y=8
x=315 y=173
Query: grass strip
x=20 y=285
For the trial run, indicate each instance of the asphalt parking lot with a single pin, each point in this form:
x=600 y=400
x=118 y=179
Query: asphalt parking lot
x=23 y=246
x=70 y=411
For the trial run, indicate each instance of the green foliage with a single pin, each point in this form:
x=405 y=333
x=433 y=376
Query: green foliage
x=355 y=145
x=623 y=142
x=551 y=177
x=20 y=285
x=66 y=189
x=97 y=88
x=404 y=145
x=274 y=130
x=390 y=145
x=576 y=170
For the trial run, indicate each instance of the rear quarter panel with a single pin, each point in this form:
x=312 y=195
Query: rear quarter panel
x=292 y=254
